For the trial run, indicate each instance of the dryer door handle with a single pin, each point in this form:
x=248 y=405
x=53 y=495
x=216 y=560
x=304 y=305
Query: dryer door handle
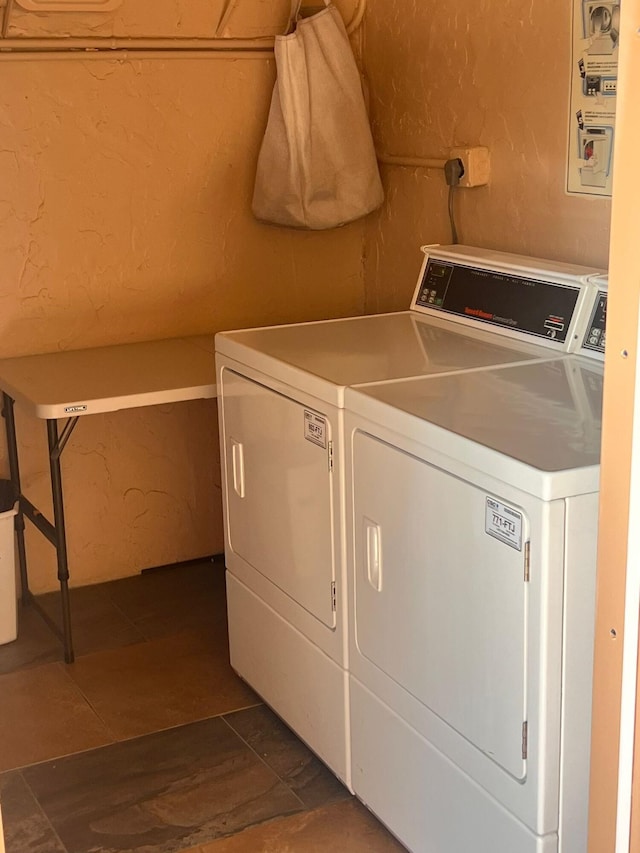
x=373 y=553
x=237 y=466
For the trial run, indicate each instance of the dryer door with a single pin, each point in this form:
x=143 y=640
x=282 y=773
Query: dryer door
x=279 y=491
x=440 y=595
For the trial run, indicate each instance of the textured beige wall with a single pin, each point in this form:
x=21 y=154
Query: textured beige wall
x=124 y=216
x=125 y=207
x=162 y=19
x=130 y=19
x=473 y=73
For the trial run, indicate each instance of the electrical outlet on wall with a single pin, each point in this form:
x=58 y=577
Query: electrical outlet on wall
x=476 y=163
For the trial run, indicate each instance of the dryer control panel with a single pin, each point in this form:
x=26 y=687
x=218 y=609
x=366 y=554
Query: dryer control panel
x=528 y=299
x=540 y=308
x=595 y=336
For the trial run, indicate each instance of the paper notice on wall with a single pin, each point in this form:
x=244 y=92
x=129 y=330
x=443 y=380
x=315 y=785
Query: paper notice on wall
x=594 y=80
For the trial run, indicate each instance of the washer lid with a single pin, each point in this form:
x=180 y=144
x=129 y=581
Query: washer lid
x=324 y=357
x=537 y=425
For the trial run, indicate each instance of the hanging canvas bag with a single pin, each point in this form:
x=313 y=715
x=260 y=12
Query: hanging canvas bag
x=317 y=165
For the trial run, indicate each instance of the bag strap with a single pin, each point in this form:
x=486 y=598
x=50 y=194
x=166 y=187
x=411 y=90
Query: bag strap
x=293 y=16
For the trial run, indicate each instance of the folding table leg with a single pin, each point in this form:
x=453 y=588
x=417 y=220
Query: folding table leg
x=60 y=536
x=14 y=472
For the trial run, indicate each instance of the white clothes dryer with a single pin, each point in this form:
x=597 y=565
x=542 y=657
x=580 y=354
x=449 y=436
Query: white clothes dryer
x=281 y=398
x=472 y=521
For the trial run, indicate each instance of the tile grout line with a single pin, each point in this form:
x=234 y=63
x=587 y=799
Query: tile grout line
x=111 y=734
x=114 y=739
x=117 y=741
x=62 y=667
x=128 y=619
x=43 y=813
x=305 y=808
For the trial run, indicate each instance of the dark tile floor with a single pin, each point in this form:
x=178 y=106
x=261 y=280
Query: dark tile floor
x=149 y=743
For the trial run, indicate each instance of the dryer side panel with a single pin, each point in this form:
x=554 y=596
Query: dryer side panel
x=279 y=491
x=440 y=601
x=577 y=670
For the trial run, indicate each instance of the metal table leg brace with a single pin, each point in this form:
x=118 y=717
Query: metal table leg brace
x=55 y=532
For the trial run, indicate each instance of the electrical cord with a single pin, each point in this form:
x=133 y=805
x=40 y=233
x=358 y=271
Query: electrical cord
x=453 y=171
x=452 y=219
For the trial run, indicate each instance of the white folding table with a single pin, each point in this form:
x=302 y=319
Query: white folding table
x=75 y=383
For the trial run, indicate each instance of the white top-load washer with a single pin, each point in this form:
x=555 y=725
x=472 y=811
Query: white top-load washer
x=472 y=521
x=281 y=396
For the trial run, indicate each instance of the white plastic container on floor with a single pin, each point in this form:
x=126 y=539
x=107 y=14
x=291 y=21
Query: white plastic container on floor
x=8 y=609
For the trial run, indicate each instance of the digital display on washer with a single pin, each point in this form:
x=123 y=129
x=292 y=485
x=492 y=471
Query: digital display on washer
x=596 y=330
x=540 y=308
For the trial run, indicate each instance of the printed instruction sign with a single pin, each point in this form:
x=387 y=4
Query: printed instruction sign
x=594 y=82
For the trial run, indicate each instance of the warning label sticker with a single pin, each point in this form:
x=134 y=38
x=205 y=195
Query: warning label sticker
x=503 y=523
x=315 y=428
